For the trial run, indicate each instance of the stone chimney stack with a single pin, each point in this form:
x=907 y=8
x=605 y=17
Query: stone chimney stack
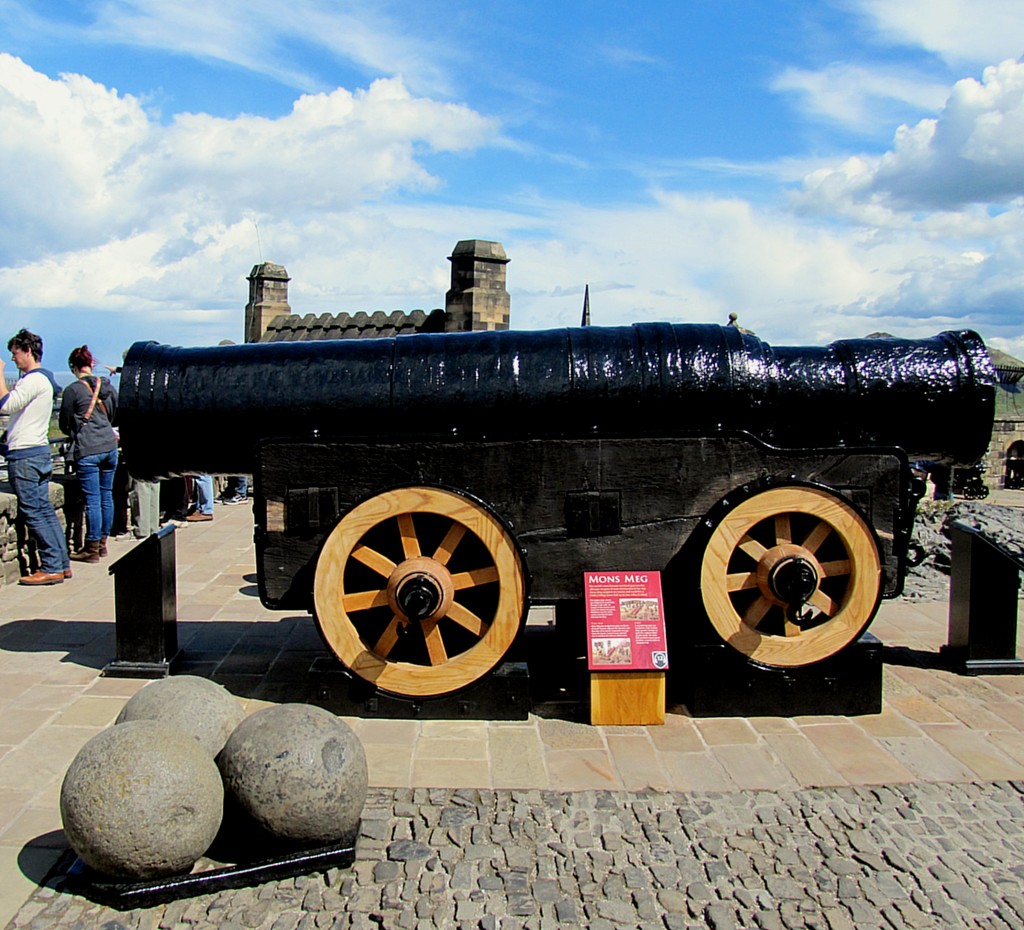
x=268 y=298
x=477 y=299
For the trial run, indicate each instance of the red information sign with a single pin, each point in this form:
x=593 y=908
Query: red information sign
x=625 y=621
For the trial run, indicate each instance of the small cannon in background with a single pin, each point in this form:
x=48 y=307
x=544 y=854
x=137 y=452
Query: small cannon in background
x=417 y=493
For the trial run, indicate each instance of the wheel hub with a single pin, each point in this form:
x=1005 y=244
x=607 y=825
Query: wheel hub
x=788 y=575
x=793 y=580
x=418 y=596
x=420 y=589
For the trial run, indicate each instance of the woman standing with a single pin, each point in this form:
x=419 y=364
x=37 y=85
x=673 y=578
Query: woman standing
x=87 y=410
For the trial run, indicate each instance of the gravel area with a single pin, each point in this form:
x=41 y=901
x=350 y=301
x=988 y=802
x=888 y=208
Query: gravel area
x=1002 y=525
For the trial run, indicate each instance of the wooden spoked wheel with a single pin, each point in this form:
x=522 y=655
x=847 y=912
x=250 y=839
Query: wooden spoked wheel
x=420 y=591
x=790 y=576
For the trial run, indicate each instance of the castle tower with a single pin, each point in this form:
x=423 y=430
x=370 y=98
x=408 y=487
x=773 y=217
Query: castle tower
x=477 y=299
x=268 y=298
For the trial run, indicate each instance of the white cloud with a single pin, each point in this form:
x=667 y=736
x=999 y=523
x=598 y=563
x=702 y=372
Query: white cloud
x=792 y=279
x=64 y=144
x=266 y=38
x=980 y=289
x=624 y=56
x=150 y=226
x=859 y=97
x=971 y=153
x=681 y=258
x=332 y=151
x=105 y=210
x=85 y=167
x=959 y=31
x=949 y=198
x=695 y=259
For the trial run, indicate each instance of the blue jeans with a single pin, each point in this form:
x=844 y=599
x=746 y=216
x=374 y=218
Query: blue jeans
x=204 y=493
x=30 y=480
x=96 y=478
x=236 y=486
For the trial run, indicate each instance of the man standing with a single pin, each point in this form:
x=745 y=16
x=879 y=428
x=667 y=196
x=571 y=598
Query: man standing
x=29 y=462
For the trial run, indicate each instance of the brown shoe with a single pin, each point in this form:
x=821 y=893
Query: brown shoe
x=198 y=517
x=89 y=553
x=103 y=546
x=42 y=577
x=67 y=573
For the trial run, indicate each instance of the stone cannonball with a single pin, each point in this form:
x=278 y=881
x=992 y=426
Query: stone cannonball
x=141 y=800
x=194 y=705
x=298 y=771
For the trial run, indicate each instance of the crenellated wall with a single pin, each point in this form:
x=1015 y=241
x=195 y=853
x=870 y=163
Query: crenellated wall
x=477 y=300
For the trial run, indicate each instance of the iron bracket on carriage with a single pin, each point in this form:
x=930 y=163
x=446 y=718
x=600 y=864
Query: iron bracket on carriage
x=418 y=495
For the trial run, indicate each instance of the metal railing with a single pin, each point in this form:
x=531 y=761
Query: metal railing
x=58 y=449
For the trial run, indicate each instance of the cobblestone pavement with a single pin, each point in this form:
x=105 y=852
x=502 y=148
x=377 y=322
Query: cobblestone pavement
x=914 y=856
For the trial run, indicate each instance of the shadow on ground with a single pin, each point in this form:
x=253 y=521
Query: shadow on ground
x=277 y=661
x=914 y=658
x=40 y=858
x=265 y=660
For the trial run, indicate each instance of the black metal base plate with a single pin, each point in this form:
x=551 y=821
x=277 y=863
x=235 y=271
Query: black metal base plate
x=121 y=668
x=124 y=895
x=959 y=660
x=717 y=681
x=502 y=695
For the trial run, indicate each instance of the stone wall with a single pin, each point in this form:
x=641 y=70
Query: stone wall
x=1007 y=431
x=478 y=300
x=17 y=552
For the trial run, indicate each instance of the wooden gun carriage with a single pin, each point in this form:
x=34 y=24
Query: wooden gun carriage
x=417 y=494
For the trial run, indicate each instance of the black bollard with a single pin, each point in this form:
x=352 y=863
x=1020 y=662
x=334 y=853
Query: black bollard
x=982 y=606
x=146 y=609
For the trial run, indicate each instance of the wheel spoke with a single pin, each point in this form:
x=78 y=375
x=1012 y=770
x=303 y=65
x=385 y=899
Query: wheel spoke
x=435 y=645
x=790 y=628
x=752 y=547
x=817 y=536
x=476 y=577
x=823 y=602
x=381 y=564
x=838 y=567
x=410 y=542
x=755 y=613
x=740 y=581
x=389 y=637
x=451 y=539
x=783 y=528
x=364 y=600
x=466 y=618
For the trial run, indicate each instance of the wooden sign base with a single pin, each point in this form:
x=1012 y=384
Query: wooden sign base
x=627 y=698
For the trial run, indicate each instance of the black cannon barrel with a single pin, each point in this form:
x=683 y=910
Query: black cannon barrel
x=202 y=410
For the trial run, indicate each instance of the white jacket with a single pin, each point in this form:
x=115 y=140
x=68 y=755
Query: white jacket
x=30 y=405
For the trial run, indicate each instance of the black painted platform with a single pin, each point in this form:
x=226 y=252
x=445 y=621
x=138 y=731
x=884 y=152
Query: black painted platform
x=502 y=695
x=715 y=680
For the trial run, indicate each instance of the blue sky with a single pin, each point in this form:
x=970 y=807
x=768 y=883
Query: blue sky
x=824 y=169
